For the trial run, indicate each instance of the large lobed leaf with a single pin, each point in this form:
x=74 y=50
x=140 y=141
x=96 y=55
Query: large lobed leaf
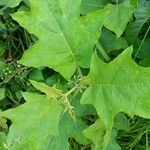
x=120 y=86
x=33 y=121
x=65 y=39
x=41 y=124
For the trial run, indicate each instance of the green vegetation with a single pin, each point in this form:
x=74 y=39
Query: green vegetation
x=74 y=74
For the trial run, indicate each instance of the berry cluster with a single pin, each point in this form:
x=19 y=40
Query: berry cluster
x=10 y=70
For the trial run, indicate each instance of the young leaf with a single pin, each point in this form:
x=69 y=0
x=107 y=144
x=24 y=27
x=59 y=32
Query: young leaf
x=51 y=92
x=64 y=41
x=121 y=122
x=120 y=86
x=96 y=132
x=118 y=16
x=102 y=139
x=33 y=121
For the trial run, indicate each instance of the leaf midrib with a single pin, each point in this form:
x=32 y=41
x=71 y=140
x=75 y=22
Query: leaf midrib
x=63 y=36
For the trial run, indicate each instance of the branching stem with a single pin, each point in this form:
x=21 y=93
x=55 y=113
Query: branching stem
x=72 y=90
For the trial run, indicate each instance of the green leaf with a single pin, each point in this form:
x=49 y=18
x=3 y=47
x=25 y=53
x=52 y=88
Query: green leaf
x=2 y=27
x=141 y=14
x=144 y=51
x=68 y=129
x=2 y=65
x=3 y=139
x=2 y=45
x=33 y=121
x=36 y=74
x=51 y=92
x=82 y=110
x=3 y=121
x=2 y=93
x=55 y=78
x=118 y=16
x=121 y=122
x=134 y=3
x=102 y=140
x=64 y=41
x=90 y=5
x=30 y=130
x=116 y=87
x=145 y=62
x=10 y=3
x=96 y=132
x=111 y=42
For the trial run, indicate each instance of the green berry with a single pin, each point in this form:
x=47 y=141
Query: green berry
x=25 y=71
x=6 y=73
x=18 y=65
x=7 y=68
x=9 y=71
x=2 y=78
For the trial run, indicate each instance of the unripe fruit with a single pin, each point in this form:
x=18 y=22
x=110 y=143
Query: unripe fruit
x=9 y=71
x=19 y=66
x=7 y=68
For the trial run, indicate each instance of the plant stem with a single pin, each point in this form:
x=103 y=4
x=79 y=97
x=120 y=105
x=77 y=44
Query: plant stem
x=79 y=71
x=72 y=90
